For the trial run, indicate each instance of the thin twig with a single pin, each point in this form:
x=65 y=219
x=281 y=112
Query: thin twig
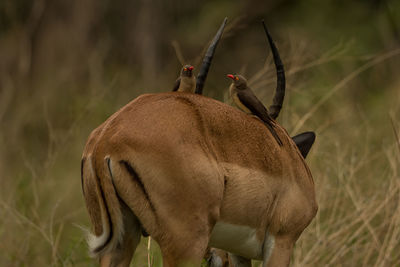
x=329 y=56
x=233 y=26
x=149 y=258
x=343 y=82
x=178 y=52
x=395 y=132
x=28 y=222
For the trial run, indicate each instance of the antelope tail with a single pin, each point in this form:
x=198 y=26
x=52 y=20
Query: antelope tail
x=277 y=102
x=103 y=206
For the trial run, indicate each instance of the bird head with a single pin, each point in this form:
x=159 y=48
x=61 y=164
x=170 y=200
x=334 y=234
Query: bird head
x=187 y=71
x=239 y=81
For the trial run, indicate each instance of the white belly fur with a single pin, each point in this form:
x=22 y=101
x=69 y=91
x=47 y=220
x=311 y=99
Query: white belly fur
x=237 y=239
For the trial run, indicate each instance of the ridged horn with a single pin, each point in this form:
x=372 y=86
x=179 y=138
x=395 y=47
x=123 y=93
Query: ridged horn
x=277 y=102
x=201 y=77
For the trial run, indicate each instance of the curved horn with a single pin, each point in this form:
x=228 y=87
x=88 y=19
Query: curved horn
x=201 y=78
x=280 y=76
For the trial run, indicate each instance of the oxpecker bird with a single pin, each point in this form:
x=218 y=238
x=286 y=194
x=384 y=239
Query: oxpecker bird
x=186 y=82
x=245 y=100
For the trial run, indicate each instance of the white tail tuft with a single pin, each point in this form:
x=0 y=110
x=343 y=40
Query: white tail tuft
x=109 y=238
x=94 y=242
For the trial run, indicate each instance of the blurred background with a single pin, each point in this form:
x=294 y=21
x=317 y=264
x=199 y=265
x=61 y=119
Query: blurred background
x=66 y=66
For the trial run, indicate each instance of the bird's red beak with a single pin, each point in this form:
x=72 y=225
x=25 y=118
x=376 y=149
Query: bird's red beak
x=191 y=68
x=230 y=76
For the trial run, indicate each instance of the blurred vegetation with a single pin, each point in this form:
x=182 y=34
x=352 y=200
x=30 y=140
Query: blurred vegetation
x=65 y=66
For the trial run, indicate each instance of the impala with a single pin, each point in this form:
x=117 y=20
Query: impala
x=194 y=173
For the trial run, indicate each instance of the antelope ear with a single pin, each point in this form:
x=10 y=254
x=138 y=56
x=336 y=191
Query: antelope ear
x=304 y=142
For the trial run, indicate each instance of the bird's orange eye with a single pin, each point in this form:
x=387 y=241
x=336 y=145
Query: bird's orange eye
x=185 y=69
x=236 y=78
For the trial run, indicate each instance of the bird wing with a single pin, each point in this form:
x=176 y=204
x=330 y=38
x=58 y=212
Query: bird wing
x=253 y=104
x=176 y=85
x=257 y=108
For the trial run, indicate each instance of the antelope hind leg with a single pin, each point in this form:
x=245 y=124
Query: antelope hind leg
x=189 y=252
x=221 y=258
x=277 y=251
x=238 y=261
x=121 y=255
x=217 y=258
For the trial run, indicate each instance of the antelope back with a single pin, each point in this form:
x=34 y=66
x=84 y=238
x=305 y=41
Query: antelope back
x=174 y=123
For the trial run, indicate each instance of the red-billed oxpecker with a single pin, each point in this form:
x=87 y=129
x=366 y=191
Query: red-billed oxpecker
x=245 y=100
x=186 y=82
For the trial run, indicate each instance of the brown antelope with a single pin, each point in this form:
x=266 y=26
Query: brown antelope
x=193 y=172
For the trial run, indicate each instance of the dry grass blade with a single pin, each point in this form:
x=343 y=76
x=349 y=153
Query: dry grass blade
x=234 y=25
x=329 y=56
x=343 y=227
x=342 y=83
x=259 y=74
x=395 y=133
x=56 y=245
x=389 y=240
x=364 y=217
x=230 y=28
x=178 y=52
x=29 y=222
x=149 y=257
x=6 y=93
